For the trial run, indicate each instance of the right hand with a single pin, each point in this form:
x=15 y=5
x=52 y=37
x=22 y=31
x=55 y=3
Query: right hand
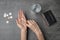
x=33 y=26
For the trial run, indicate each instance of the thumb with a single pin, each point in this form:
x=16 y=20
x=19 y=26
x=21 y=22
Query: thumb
x=27 y=23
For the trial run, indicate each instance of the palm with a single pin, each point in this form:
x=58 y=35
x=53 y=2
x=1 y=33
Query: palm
x=21 y=21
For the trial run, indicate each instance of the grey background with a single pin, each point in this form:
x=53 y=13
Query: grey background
x=12 y=32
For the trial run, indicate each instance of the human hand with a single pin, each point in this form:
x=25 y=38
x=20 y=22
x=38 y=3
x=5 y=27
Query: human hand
x=35 y=28
x=21 y=20
x=33 y=25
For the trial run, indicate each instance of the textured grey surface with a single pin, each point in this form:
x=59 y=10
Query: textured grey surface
x=12 y=32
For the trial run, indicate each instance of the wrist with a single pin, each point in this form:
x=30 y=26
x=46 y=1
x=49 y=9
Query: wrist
x=38 y=31
x=23 y=34
x=39 y=35
x=23 y=30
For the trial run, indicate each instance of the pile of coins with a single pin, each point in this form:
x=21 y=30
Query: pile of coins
x=8 y=16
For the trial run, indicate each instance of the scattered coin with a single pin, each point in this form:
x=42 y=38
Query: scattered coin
x=7 y=22
x=11 y=17
x=10 y=13
x=7 y=15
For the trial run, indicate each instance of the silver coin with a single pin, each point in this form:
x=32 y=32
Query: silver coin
x=10 y=13
x=7 y=21
x=36 y=8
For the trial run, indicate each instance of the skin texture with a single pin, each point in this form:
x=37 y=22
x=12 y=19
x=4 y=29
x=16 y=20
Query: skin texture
x=35 y=28
x=22 y=23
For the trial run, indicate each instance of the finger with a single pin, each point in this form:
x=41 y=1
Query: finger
x=23 y=20
x=18 y=24
x=28 y=23
x=23 y=16
x=31 y=21
x=34 y=21
x=19 y=14
x=17 y=21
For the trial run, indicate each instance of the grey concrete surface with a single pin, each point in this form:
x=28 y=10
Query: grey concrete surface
x=12 y=32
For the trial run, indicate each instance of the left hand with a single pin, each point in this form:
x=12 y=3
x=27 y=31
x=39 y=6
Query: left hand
x=21 y=20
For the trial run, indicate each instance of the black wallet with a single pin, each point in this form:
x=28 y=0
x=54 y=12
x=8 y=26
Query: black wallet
x=49 y=17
